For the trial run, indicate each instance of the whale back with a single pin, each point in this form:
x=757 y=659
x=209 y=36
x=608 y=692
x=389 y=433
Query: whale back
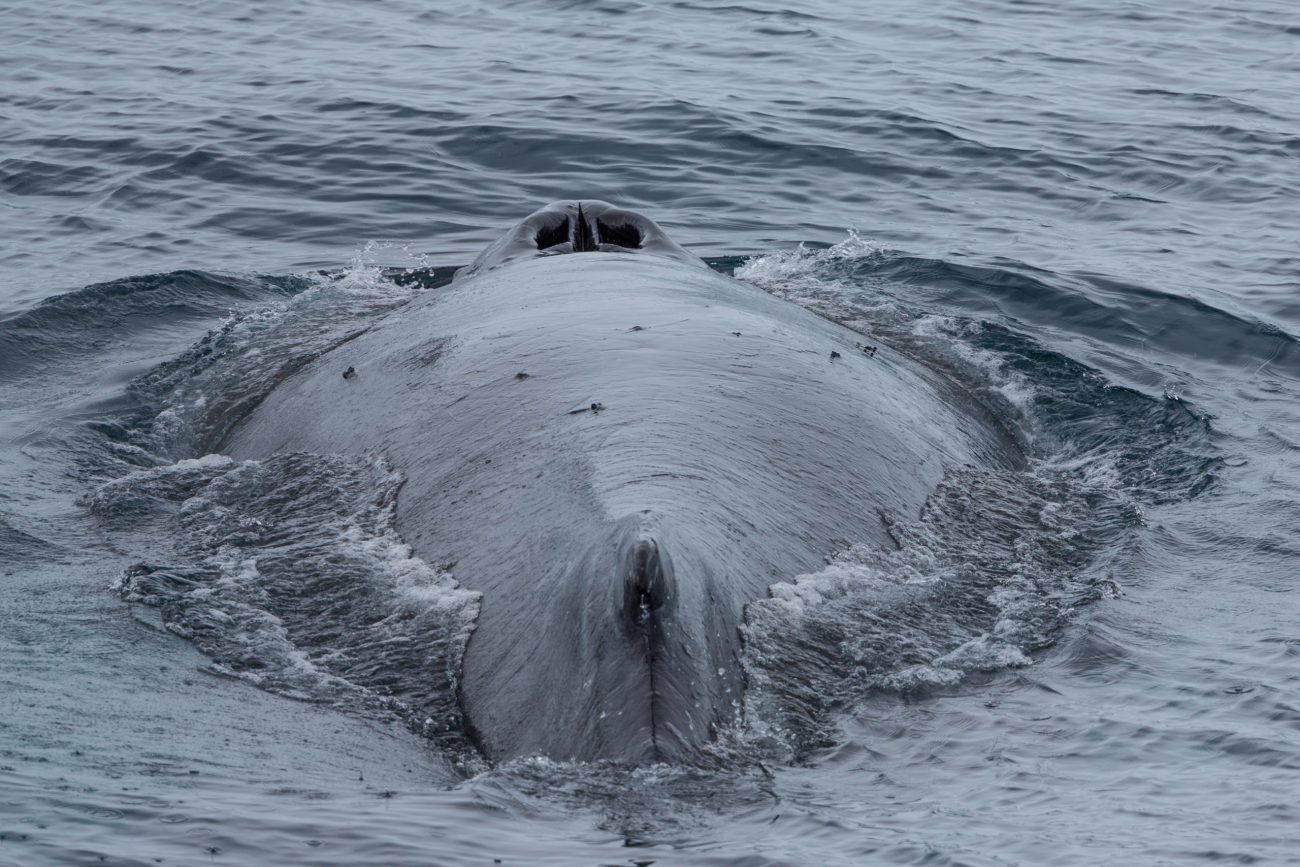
x=619 y=452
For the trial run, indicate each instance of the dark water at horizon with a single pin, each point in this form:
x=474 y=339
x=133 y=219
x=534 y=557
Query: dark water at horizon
x=1084 y=214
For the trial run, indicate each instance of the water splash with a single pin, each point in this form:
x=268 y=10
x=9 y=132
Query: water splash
x=290 y=573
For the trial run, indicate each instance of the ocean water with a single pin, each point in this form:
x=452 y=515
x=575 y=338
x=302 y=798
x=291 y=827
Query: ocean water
x=1086 y=215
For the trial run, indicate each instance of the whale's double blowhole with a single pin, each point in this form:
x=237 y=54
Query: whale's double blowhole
x=585 y=226
x=583 y=233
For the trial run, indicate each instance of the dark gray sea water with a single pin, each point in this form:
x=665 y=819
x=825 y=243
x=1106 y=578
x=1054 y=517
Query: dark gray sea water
x=1086 y=214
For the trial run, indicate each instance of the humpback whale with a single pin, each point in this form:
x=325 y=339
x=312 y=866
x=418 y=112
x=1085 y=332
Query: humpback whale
x=620 y=448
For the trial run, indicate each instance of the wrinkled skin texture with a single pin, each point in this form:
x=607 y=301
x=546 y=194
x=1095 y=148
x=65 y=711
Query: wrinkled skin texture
x=616 y=549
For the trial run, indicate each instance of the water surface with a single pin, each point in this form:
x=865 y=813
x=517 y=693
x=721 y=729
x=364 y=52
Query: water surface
x=1086 y=214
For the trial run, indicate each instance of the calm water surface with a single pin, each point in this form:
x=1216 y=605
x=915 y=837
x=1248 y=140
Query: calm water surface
x=1086 y=214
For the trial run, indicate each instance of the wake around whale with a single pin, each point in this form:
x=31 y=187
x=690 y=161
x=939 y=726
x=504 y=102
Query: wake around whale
x=619 y=450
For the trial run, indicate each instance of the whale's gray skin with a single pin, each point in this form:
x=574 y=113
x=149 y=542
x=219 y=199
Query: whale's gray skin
x=615 y=548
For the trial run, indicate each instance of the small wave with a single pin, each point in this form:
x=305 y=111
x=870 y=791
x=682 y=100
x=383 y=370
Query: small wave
x=19 y=546
x=1090 y=305
x=153 y=490
x=635 y=802
x=992 y=571
x=98 y=317
x=289 y=573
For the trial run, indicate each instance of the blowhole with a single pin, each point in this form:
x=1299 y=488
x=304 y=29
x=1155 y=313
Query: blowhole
x=620 y=234
x=553 y=235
